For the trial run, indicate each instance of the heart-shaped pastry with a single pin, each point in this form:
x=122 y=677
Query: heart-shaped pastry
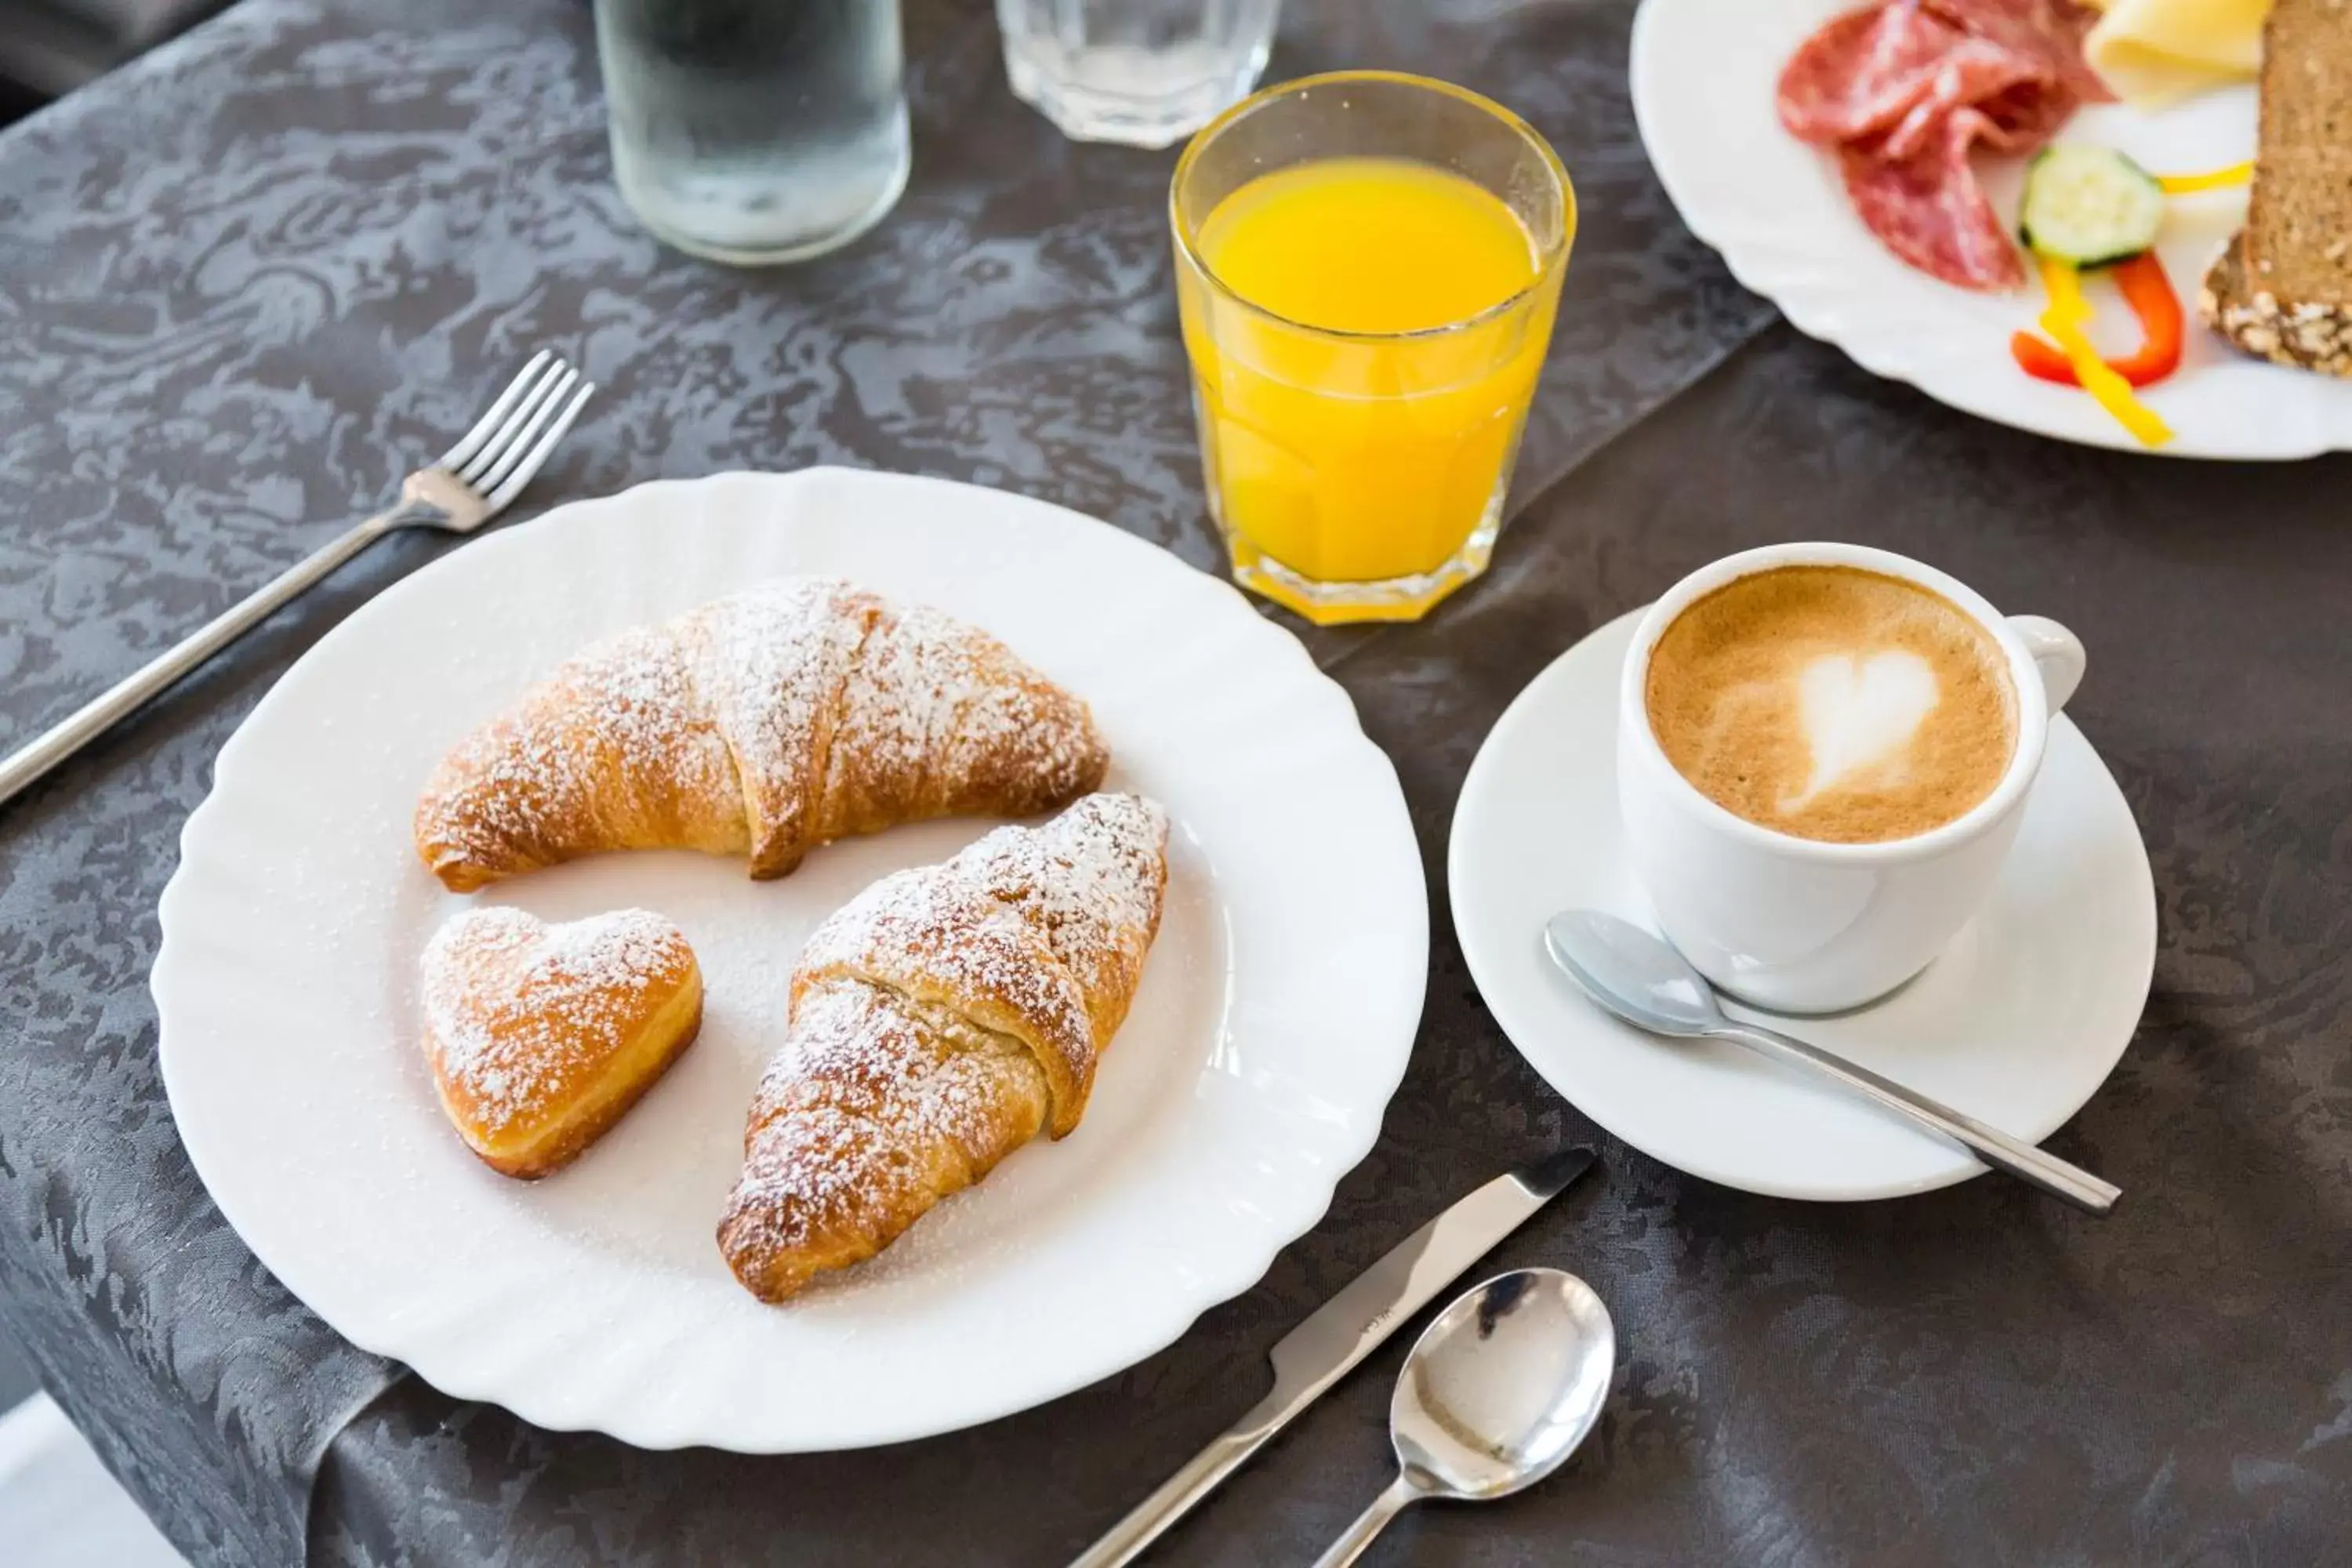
x=540 y=1036
x=1860 y=711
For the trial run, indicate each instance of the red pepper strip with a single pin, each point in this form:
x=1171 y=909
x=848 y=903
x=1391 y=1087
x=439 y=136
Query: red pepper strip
x=2144 y=286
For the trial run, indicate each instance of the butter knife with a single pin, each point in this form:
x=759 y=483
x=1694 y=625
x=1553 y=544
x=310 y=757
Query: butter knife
x=1344 y=1331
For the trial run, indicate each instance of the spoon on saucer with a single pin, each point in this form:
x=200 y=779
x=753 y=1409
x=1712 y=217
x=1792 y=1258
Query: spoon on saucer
x=1496 y=1395
x=1643 y=980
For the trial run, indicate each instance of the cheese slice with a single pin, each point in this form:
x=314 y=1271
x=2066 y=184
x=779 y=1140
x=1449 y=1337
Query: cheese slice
x=2154 y=52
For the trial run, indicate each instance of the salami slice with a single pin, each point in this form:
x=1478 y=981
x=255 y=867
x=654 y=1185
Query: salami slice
x=1972 y=73
x=1861 y=72
x=1929 y=210
x=2050 y=31
x=1907 y=88
x=2025 y=116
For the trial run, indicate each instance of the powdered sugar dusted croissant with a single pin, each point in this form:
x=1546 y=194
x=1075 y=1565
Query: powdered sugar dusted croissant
x=764 y=723
x=939 y=1021
x=540 y=1037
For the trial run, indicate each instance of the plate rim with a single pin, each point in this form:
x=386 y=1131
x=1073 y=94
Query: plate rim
x=1483 y=974
x=636 y=1423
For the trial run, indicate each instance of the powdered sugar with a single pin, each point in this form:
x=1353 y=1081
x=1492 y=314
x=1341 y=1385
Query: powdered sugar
x=771 y=720
x=516 y=1008
x=928 y=692
x=599 y=745
x=868 y=1071
x=1086 y=885
x=881 y=1101
x=1090 y=880
x=767 y=664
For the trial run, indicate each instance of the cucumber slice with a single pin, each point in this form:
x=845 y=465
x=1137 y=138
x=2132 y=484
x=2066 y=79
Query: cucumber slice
x=2089 y=206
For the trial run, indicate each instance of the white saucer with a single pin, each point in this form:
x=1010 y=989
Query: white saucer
x=2017 y=1024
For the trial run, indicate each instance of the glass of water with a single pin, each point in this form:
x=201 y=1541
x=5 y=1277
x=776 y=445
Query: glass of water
x=755 y=131
x=1145 y=72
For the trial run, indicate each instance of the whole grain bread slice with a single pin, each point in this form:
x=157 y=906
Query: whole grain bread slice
x=2283 y=289
x=2307 y=334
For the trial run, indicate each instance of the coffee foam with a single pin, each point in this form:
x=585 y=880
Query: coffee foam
x=1860 y=711
x=1832 y=703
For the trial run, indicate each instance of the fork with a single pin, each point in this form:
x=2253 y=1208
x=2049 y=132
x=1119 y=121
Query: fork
x=474 y=481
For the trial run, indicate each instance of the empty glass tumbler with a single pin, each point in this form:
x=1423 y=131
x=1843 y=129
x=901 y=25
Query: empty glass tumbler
x=755 y=131
x=1145 y=72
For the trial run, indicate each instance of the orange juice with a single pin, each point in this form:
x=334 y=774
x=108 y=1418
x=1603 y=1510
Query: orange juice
x=1368 y=244
x=1364 y=370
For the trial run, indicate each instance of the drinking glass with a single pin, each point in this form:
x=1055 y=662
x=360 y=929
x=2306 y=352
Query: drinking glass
x=755 y=131
x=1360 y=475
x=1144 y=72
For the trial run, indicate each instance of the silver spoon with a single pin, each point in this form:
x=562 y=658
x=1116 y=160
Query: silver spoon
x=1496 y=1395
x=1650 y=986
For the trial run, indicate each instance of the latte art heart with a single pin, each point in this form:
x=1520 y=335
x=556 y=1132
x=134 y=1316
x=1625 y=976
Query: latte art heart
x=1860 y=712
x=1832 y=703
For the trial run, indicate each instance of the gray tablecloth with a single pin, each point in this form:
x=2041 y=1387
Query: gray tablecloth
x=244 y=284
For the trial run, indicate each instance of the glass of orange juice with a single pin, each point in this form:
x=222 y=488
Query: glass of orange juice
x=1368 y=265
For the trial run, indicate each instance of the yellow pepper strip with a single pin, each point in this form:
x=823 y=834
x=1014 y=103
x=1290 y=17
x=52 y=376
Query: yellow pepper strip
x=2068 y=314
x=2211 y=180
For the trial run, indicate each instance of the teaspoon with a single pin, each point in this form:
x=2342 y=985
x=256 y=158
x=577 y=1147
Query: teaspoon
x=1643 y=980
x=1496 y=1395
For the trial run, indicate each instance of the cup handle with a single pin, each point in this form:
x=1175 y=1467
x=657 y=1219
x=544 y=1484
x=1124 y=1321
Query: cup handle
x=2057 y=653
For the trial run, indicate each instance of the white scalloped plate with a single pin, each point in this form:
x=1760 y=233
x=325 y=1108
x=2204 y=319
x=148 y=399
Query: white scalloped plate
x=1251 y=1074
x=1704 y=77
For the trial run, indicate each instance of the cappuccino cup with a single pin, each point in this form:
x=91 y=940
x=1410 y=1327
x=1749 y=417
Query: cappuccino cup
x=1823 y=755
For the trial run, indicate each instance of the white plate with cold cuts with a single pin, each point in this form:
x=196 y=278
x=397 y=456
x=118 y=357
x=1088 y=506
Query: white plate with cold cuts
x=1704 y=75
x=2016 y=1024
x=1251 y=1072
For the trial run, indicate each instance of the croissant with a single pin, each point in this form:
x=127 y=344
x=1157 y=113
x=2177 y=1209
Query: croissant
x=540 y=1037
x=764 y=723
x=938 y=1021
